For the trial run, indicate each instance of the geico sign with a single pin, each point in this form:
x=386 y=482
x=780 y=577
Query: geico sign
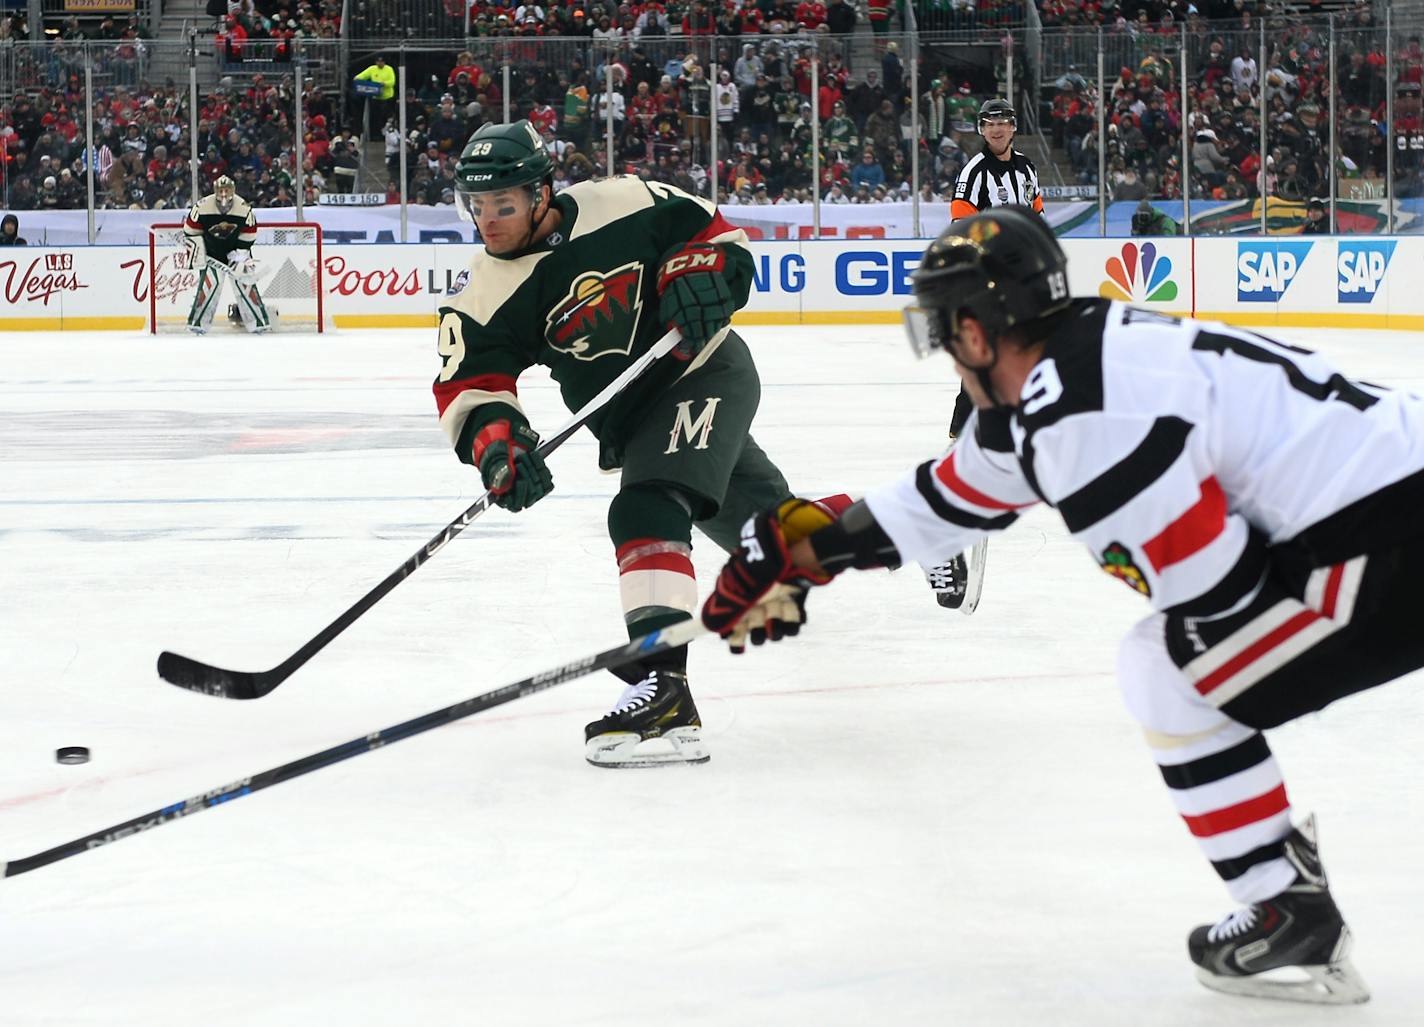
x=875 y=272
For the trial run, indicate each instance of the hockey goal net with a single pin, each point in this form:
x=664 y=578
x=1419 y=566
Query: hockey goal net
x=289 y=277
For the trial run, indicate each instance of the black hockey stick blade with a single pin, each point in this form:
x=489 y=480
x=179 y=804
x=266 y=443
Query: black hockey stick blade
x=639 y=648
x=200 y=677
x=239 y=684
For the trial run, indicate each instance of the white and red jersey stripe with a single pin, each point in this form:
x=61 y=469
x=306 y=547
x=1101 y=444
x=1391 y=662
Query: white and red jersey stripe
x=1176 y=451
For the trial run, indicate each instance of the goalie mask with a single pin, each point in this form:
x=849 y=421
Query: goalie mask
x=1003 y=267
x=224 y=192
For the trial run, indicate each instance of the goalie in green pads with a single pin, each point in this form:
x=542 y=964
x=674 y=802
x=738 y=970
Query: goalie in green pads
x=219 y=231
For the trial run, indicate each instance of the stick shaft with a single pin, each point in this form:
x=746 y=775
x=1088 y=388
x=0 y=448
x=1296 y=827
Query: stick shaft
x=639 y=648
x=201 y=677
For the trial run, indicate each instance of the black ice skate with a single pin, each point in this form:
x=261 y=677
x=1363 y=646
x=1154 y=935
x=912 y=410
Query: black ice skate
x=655 y=722
x=948 y=582
x=958 y=584
x=1299 y=932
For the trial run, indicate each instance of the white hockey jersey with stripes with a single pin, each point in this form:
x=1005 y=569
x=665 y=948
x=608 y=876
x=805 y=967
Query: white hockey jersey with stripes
x=1178 y=452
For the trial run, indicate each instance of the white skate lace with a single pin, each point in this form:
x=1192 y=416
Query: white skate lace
x=635 y=695
x=1232 y=924
x=941 y=577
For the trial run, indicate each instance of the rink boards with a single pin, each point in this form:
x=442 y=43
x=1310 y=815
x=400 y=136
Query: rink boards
x=1327 y=282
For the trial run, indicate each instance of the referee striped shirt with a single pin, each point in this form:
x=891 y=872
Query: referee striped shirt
x=988 y=182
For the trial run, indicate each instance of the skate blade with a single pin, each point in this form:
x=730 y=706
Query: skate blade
x=974 y=584
x=1330 y=984
x=624 y=749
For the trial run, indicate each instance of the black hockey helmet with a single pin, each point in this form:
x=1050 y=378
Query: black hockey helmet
x=996 y=108
x=1003 y=267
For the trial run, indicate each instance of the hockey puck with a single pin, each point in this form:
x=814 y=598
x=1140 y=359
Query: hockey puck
x=72 y=754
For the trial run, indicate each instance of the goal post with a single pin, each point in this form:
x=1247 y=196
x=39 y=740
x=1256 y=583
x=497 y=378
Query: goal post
x=289 y=277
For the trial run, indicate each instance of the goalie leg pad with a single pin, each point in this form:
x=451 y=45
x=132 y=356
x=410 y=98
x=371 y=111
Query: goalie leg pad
x=205 y=300
x=250 y=305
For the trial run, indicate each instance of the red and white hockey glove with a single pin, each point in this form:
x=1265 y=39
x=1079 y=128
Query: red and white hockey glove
x=511 y=466
x=696 y=298
x=761 y=592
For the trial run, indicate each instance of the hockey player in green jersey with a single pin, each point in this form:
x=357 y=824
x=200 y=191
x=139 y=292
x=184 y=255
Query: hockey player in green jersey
x=584 y=283
x=219 y=232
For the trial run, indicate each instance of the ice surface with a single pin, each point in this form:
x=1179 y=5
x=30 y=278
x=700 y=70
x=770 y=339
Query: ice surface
x=910 y=817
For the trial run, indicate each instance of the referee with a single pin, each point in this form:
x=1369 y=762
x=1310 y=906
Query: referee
x=996 y=176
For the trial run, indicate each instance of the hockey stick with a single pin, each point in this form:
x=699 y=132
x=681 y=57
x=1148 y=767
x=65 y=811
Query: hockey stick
x=658 y=641
x=241 y=684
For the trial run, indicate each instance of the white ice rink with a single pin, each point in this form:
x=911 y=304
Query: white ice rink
x=910 y=817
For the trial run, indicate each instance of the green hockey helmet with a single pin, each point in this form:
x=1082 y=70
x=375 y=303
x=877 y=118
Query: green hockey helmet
x=501 y=157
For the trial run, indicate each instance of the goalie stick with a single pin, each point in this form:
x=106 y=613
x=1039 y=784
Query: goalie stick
x=242 y=684
x=655 y=642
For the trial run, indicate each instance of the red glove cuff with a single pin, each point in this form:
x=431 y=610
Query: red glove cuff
x=495 y=431
x=694 y=257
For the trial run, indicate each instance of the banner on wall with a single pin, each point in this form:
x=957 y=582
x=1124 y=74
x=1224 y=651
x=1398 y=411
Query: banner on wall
x=347 y=218
x=1366 y=282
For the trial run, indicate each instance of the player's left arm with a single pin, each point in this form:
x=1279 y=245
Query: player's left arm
x=705 y=272
x=935 y=512
x=944 y=506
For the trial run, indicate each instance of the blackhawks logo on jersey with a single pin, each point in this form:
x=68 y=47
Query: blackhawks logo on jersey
x=1117 y=561
x=599 y=315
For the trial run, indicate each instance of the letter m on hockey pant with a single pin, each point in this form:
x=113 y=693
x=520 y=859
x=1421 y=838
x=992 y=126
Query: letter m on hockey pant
x=695 y=431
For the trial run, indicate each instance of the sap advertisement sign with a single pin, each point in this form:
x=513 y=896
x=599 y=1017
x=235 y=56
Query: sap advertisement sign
x=1265 y=270
x=1360 y=268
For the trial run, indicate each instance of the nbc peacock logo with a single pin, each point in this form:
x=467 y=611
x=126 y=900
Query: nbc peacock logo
x=1138 y=275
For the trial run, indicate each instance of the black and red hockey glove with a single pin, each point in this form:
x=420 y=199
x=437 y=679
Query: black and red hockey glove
x=761 y=592
x=696 y=298
x=511 y=466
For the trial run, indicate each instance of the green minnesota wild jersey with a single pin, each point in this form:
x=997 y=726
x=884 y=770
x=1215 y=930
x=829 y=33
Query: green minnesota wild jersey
x=582 y=302
x=221 y=233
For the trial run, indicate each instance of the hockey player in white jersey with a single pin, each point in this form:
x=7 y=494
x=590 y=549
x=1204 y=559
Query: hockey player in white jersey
x=1265 y=505
x=219 y=232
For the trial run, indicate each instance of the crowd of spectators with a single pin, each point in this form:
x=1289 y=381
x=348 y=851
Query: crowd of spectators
x=611 y=20
x=249 y=30
x=119 y=49
x=144 y=145
x=663 y=111
x=1224 y=92
x=673 y=82
x=967 y=16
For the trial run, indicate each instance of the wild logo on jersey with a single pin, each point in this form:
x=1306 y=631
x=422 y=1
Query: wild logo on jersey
x=599 y=315
x=223 y=229
x=1117 y=561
